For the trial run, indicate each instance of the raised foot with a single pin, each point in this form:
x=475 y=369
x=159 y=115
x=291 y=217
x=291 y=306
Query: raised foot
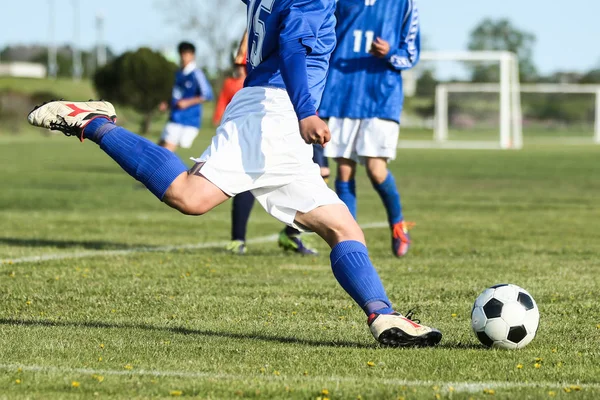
x=70 y=117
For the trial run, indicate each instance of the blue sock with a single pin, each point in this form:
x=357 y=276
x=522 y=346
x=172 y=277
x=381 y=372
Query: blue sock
x=147 y=162
x=240 y=213
x=391 y=199
x=347 y=193
x=353 y=270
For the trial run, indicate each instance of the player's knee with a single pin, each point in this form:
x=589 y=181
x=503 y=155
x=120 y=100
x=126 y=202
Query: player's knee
x=194 y=207
x=345 y=169
x=185 y=204
x=376 y=170
x=345 y=231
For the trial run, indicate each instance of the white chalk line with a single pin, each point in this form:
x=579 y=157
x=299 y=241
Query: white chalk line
x=146 y=249
x=470 y=387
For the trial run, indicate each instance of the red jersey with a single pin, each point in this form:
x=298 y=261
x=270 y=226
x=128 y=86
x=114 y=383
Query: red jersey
x=230 y=87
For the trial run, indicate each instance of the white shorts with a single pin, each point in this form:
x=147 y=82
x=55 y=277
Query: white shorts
x=356 y=139
x=258 y=147
x=179 y=135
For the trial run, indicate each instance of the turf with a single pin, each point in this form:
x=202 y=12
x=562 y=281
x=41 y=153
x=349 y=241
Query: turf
x=197 y=322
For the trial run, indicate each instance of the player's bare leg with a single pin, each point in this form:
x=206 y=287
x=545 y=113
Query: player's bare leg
x=377 y=169
x=354 y=271
x=192 y=194
x=333 y=223
x=169 y=146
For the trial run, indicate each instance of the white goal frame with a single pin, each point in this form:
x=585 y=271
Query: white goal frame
x=511 y=133
x=443 y=89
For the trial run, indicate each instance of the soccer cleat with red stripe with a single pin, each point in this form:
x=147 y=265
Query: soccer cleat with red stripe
x=70 y=117
x=396 y=330
x=401 y=238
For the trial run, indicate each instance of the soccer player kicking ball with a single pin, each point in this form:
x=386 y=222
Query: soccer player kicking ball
x=377 y=39
x=289 y=238
x=264 y=145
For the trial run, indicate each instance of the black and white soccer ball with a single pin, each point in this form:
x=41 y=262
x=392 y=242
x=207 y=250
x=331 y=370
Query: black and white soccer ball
x=505 y=316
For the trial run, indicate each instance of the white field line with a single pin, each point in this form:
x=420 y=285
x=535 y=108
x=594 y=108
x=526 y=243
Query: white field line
x=146 y=249
x=470 y=387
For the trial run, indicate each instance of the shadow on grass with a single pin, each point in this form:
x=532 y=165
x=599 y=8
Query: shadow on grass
x=64 y=244
x=461 y=346
x=187 y=331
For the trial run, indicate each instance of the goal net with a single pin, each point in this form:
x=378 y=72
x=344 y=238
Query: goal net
x=551 y=113
x=439 y=114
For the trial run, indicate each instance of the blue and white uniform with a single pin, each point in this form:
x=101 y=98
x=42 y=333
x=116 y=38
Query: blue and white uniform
x=363 y=98
x=258 y=146
x=184 y=124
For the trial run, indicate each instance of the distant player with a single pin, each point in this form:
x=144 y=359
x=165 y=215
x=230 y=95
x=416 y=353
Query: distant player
x=190 y=91
x=232 y=84
x=264 y=145
x=377 y=40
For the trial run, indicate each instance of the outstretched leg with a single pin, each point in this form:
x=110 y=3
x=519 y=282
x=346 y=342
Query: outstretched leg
x=354 y=271
x=161 y=171
x=385 y=185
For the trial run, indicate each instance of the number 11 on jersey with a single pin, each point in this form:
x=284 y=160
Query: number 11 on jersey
x=358 y=39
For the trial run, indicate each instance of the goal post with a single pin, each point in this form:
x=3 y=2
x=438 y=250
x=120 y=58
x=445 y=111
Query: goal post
x=444 y=89
x=509 y=109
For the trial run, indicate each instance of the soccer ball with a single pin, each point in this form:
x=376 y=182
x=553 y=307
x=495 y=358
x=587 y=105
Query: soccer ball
x=505 y=316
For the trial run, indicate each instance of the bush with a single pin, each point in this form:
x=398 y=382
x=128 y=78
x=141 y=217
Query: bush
x=14 y=107
x=140 y=80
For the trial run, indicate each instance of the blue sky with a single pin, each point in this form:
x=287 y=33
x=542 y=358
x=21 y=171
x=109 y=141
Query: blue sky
x=566 y=31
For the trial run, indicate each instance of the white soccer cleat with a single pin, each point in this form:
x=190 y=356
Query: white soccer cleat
x=396 y=330
x=70 y=117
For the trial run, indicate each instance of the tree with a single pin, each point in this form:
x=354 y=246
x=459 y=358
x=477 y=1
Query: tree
x=426 y=83
x=592 y=76
x=140 y=80
x=217 y=26
x=502 y=35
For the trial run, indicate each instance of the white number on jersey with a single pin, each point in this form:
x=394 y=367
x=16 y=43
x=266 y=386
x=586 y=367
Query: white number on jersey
x=370 y=2
x=358 y=37
x=257 y=26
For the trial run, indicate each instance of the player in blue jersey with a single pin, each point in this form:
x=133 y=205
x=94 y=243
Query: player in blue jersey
x=377 y=40
x=264 y=145
x=190 y=91
x=290 y=239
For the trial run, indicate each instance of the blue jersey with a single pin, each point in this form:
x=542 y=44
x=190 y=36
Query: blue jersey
x=361 y=85
x=273 y=24
x=189 y=82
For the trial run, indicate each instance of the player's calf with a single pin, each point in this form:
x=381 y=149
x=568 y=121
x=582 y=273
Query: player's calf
x=356 y=274
x=193 y=194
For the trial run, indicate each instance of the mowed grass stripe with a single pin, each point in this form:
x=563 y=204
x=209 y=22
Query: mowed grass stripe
x=468 y=387
x=158 y=249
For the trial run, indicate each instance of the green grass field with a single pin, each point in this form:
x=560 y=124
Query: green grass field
x=110 y=311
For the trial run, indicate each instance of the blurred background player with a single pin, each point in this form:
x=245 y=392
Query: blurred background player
x=190 y=91
x=289 y=238
x=363 y=98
